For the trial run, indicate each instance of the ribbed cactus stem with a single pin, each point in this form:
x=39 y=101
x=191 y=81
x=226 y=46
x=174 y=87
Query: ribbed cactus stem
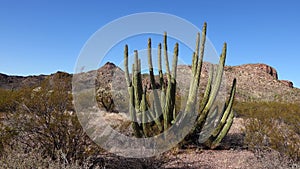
x=132 y=111
x=214 y=90
x=175 y=62
x=152 y=79
x=167 y=99
x=196 y=55
x=218 y=79
x=157 y=105
x=223 y=132
x=161 y=77
x=224 y=124
x=138 y=90
x=207 y=89
x=156 y=118
x=226 y=113
x=144 y=109
x=166 y=56
x=171 y=91
x=135 y=126
x=194 y=63
x=190 y=106
x=201 y=55
x=128 y=81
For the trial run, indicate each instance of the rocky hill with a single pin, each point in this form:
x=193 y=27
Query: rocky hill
x=254 y=81
x=260 y=82
x=16 y=82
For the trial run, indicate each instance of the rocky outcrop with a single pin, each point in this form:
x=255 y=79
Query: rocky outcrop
x=268 y=69
x=259 y=70
x=287 y=83
x=259 y=82
x=147 y=83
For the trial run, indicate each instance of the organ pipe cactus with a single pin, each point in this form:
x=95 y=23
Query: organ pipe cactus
x=163 y=109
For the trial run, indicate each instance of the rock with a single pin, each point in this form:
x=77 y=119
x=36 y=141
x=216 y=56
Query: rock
x=287 y=83
x=146 y=82
x=268 y=69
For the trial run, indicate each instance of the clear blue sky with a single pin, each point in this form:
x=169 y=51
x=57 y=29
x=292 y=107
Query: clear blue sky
x=44 y=36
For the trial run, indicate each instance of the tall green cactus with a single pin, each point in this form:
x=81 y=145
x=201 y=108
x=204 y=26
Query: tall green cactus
x=163 y=108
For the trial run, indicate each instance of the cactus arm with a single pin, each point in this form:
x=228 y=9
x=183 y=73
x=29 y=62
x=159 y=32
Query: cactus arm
x=196 y=55
x=201 y=55
x=214 y=91
x=128 y=81
x=190 y=106
x=194 y=61
x=143 y=109
x=194 y=64
x=166 y=56
x=224 y=124
x=174 y=63
x=150 y=64
x=132 y=112
x=161 y=79
x=171 y=91
x=207 y=130
x=227 y=111
x=157 y=105
x=155 y=117
x=207 y=89
x=167 y=95
x=218 y=79
x=223 y=132
x=135 y=126
x=137 y=81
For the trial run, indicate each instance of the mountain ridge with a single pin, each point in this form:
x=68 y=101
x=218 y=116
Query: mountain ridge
x=255 y=81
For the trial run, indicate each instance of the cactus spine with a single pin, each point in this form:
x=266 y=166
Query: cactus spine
x=163 y=108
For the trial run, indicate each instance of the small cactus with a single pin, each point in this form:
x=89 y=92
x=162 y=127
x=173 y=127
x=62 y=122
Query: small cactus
x=163 y=107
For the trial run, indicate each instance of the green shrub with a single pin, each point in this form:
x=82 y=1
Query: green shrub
x=271 y=125
x=8 y=100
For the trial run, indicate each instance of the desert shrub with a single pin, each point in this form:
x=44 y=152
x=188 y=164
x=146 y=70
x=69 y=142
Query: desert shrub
x=17 y=158
x=7 y=100
x=84 y=100
x=271 y=125
x=34 y=159
x=270 y=158
x=45 y=118
x=105 y=100
x=8 y=104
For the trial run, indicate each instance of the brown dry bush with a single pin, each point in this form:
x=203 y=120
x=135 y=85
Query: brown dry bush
x=271 y=125
x=43 y=117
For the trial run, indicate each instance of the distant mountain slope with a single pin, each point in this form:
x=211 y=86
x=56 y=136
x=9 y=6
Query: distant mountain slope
x=16 y=82
x=254 y=81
